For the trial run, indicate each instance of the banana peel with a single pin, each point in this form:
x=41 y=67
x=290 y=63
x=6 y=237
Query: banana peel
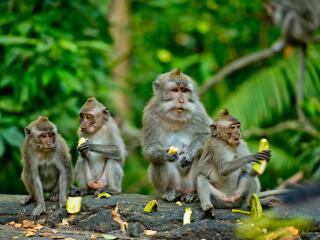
x=187 y=216
x=255 y=208
x=259 y=167
x=103 y=194
x=151 y=206
x=73 y=204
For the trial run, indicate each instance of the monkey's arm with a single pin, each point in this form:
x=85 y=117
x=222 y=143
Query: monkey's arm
x=110 y=151
x=192 y=150
x=227 y=167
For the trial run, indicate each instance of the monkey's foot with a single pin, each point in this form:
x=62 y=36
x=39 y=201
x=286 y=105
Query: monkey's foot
x=208 y=208
x=171 y=195
x=25 y=200
x=78 y=192
x=190 y=197
x=54 y=196
x=38 y=211
x=231 y=198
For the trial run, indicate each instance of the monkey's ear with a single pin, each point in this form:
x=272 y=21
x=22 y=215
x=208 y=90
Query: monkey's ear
x=214 y=130
x=106 y=113
x=27 y=131
x=156 y=86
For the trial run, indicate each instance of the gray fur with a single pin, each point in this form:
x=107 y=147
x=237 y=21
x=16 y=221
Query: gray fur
x=163 y=128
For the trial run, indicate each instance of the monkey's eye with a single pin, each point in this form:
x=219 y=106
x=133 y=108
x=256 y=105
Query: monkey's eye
x=174 y=90
x=185 y=90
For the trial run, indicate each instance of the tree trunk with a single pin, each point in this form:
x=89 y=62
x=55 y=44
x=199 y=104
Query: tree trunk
x=119 y=16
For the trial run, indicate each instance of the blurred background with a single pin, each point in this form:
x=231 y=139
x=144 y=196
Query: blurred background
x=54 y=54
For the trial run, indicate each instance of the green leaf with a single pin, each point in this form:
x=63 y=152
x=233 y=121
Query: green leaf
x=2 y=148
x=17 y=40
x=13 y=136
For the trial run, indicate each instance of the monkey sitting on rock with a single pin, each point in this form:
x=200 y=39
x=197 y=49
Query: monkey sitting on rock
x=174 y=117
x=47 y=165
x=225 y=177
x=102 y=155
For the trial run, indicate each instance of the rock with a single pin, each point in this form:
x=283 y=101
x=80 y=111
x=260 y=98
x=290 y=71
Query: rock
x=96 y=218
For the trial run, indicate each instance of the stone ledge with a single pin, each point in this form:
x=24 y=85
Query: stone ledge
x=96 y=217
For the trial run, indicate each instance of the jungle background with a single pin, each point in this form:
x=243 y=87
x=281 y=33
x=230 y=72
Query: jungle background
x=54 y=54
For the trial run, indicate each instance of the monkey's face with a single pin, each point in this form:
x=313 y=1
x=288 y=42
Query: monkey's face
x=87 y=123
x=46 y=141
x=178 y=102
x=230 y=133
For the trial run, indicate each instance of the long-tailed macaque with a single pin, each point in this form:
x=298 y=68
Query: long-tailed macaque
x=225 y=177
x=174 y=117
x=298 y=19
x=99 y=166
x=47 y=164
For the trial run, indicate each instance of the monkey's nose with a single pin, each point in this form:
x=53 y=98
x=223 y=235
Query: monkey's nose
x=181 y=100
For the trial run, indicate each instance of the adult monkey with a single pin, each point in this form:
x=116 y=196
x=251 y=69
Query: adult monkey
x=47 y=165
x=174 y=117
x=99 y=166
x=225 y=177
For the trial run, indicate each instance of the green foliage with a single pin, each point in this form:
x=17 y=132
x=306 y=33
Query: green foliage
x=54 y=54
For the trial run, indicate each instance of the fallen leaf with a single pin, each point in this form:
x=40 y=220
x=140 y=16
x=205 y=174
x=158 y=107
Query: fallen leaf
x=27 y=223
x=116 y=216
x=57 y=237
x=104 y=194
x=29 y=233
x=17 y=225
x=38 y=226
x=93 y=236
x=149 y=232
x=294 y=231
x=108 y=236
x=54 y=231
x=44 y=234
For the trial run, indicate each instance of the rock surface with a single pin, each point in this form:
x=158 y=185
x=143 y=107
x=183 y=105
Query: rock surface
x=96 y=218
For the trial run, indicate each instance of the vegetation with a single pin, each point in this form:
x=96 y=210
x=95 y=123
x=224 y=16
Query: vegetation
x=54 y=54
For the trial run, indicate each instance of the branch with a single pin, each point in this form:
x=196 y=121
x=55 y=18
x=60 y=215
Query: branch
x=240 y=63
x=283 y=126
x=292 y=180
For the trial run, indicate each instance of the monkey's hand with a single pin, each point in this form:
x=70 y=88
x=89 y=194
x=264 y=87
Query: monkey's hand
x=38 y=211
x=256 y=157
x=184 y=159
x=170 y=157
x=85 y=147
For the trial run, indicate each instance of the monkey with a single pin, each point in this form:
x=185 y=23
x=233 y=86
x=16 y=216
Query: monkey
x=225 y=177
x=174 y=117
x=47 y=165
x=298 y=20
x=101 y=158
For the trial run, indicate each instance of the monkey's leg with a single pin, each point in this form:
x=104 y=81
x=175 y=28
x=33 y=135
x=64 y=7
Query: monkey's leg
x=81 y=175
x=38 y=193
x=28 y=184
x=166 y=178
x=112 y=177
x=203 y=187
x=242 y=187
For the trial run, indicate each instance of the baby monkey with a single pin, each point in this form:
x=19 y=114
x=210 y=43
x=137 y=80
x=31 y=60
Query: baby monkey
x=225 y=177
x=47 y=165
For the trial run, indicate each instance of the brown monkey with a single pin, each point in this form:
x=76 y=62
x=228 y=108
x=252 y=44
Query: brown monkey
x=47 y=164
x=99 y=166
x=174 y=117
x=225 y=177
